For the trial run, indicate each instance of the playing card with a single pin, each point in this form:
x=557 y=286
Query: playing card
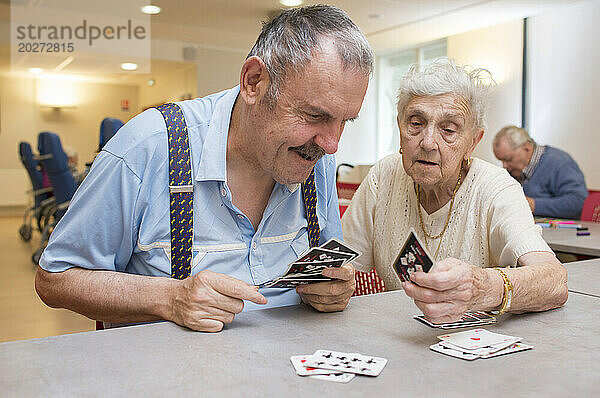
x=452 y=352
x=335 y=377
x=476 y=338
x=516 y=347
x=310 y=265
x=412 y=257
x=301 y=370
x=481 y=351
x=347 y=362
x=320 y=254
x=335 y=245
x=469 y=319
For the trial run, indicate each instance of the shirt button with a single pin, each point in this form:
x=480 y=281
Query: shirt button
x=223 y=192
x=253 y=245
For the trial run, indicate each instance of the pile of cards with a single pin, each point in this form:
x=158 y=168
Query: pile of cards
x=309 y=266
x=469 y=319
x=478 y=343
x=336 y=366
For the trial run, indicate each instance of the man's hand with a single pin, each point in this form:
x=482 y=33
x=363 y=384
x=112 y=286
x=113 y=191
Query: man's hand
x=531 y=202
x=207 y=300
x=330 y=296
x=450 y=289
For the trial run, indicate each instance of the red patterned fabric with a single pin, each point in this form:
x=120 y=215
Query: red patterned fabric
x=368 y=283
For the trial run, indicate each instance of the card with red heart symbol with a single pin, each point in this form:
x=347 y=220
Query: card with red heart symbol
x=476 y=338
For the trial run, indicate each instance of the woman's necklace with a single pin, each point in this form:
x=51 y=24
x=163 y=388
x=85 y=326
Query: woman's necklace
x=441 y=234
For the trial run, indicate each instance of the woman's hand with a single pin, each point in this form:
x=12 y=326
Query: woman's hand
x=450 y=289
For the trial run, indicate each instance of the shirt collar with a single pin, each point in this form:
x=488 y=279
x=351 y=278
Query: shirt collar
x=538 y=150
x=212 y=162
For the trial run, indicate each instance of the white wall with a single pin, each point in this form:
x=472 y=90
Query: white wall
x=359 y=139
x=564 y=84
x=500 y=50
x=218 y=70
x=23 y=118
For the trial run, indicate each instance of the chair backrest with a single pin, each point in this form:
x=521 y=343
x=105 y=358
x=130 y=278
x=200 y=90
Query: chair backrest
x=368 y=283
x=57 y=168
x=591 y=208
x=108 y=127
x=34 y=172
x=345 y=190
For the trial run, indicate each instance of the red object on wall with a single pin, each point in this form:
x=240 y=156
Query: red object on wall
x=124 y=105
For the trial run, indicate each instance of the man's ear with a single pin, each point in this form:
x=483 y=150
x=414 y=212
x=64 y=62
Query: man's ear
x=254 y=80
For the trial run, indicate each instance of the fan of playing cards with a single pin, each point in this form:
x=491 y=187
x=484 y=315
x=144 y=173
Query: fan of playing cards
x=478 y=343
x=309 y=266
x=336 y=366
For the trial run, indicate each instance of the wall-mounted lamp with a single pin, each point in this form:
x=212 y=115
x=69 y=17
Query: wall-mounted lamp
x=57 y=93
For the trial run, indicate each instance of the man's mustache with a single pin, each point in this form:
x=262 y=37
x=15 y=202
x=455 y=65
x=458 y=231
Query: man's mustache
x=309 y=151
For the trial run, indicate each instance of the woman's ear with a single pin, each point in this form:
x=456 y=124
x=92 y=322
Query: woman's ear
x=254 y=80
x=477 y=136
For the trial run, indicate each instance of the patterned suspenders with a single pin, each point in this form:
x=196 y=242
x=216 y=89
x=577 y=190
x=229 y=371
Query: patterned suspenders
x=181 y=191
x=309 y=194
x=181 y=194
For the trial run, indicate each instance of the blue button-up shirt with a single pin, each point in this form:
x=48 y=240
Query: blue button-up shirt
x=118 y=219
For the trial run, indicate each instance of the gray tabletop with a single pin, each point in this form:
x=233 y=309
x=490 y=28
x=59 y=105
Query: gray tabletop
x=251 y=357
x=566 y=239
x=584 y=277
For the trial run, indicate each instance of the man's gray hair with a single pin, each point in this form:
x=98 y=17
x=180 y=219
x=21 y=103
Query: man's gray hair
x=289 y=40
x=443 y=76
x=516 y=136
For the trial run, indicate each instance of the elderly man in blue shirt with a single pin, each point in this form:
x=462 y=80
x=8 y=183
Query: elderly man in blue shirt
x=251 y=147
x=553 y=183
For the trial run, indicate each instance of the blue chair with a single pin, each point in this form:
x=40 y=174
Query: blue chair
x=42 y=198
x=54 y=160
x=55 y=163
x=108 y=128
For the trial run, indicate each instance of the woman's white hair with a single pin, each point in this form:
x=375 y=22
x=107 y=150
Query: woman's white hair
x=443 y=76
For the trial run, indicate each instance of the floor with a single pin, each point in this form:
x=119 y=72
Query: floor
x=22 y=314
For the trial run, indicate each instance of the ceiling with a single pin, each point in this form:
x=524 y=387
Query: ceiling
x=233 y=25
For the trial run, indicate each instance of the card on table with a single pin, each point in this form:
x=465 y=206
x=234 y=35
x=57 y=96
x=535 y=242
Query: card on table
x=298 y=361
x=335 y=377
x=469 y=319
x=481 y=351
x=437 y=347
x=471 y=355
x=412 y=257
x=476 y=338
x=347 y=362
x=516 y=347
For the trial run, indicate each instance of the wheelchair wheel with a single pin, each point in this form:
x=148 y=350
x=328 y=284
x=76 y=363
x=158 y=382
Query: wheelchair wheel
x=35 y=257
x=25 y=232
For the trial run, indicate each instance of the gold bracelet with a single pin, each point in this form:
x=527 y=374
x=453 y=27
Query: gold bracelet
x=507 y=297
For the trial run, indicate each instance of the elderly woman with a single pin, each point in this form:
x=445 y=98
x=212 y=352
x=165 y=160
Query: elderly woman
x=471 y=215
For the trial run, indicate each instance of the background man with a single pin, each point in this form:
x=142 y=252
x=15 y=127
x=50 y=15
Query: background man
x=251 y=147
x=552 y=181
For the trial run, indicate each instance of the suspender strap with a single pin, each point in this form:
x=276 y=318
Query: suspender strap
x=180 y=191
x=309 y=194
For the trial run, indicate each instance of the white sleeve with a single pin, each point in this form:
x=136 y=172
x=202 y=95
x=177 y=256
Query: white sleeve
x=357 y=222
x=512 y=230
